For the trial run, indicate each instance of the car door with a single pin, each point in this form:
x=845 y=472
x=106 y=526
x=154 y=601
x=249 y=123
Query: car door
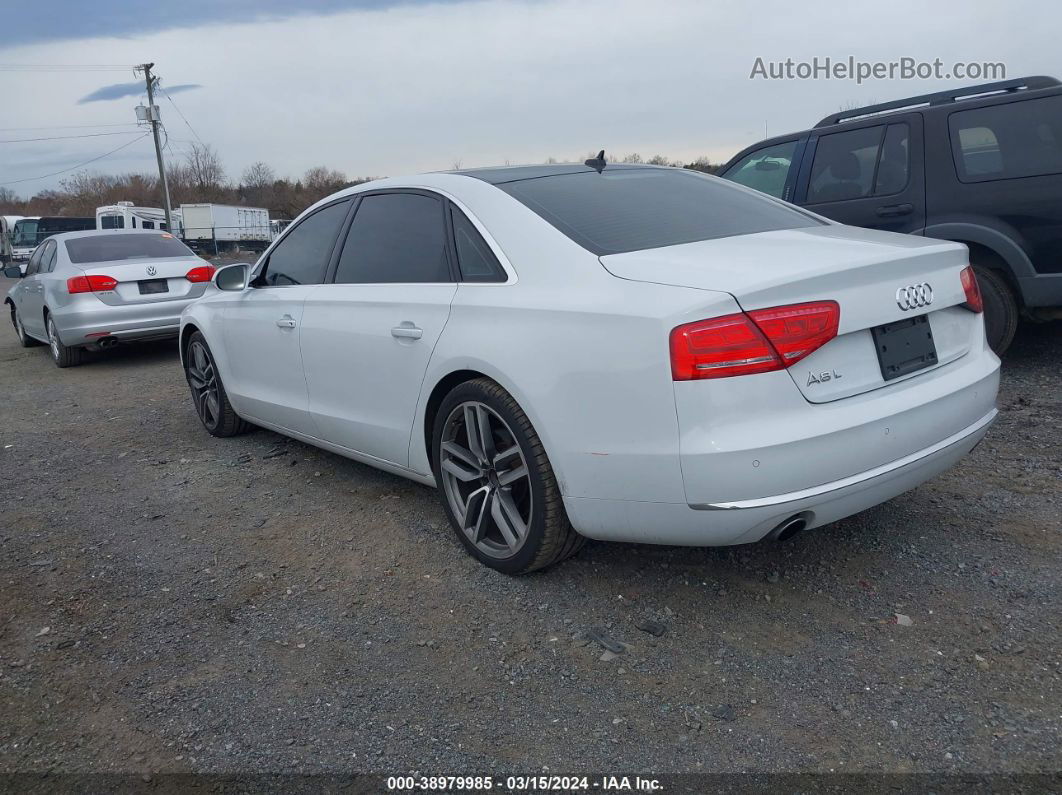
x=871 y=175
x=367 y=336
x=261 y=325
x=31 y=305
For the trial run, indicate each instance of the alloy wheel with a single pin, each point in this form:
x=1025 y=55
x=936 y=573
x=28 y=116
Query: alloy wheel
x=486 y=480
x=53 y=339
x=202 y=378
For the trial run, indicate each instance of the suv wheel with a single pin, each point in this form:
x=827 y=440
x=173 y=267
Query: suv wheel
x=1001 y=308
x=496 y=483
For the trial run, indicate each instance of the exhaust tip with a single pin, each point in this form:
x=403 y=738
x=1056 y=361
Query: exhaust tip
x=789 y=528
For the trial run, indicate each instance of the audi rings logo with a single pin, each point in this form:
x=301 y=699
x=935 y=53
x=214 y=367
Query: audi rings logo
x=914 y=296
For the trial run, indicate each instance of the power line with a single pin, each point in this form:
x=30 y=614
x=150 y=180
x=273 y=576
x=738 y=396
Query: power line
x=67 y=127
x=186 y=124
x=79 y=165
x=65 y=137
x=65 y=67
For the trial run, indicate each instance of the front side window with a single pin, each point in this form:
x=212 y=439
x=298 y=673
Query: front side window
x=1017 y=139
x=110 y=248
x=395 y=238
x=765 y=169
x=474 y=257
x=844 y=165
x=303 y=255
x=48 y=258
x=632 y=209
x=33 y=266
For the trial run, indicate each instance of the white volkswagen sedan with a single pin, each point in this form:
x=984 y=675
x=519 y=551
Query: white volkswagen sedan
x=615 y=352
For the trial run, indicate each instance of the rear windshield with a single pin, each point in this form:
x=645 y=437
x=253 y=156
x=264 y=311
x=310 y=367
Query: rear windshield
x=107 y=248
x=634 y=209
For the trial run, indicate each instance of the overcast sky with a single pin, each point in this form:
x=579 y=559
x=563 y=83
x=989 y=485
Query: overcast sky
x=383 y=88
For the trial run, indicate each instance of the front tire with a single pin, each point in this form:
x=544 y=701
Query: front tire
x=208 y=393
x=62 y=355
x=1001 y=309
x=496 y=483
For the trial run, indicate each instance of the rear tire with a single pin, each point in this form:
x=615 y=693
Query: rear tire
x=24 y=339
x=208 y=392
x=1001 y=308
x=62 y=355
x=497 y=486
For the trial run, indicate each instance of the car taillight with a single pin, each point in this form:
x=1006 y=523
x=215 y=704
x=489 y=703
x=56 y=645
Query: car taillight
x=203 y=273
x=93 y=283
x=973 y=292
x=755 y=342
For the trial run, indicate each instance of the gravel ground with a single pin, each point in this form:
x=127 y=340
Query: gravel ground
x=171 y=602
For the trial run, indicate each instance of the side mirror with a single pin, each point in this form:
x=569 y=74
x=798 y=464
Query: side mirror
x=13 y=272
x=232 y=278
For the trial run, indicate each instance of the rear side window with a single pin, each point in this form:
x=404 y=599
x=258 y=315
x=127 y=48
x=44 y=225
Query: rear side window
x=395 y=238
x=844 y=165
x=765 y=169
x=631 y=209
x=107 y=248
x=303 y=254
x=476 y=260
x=1018 y=139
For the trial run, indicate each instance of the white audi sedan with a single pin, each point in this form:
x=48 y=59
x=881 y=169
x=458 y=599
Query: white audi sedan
x=615 y=352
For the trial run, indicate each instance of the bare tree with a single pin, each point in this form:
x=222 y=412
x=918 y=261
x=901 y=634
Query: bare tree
x=205 y=171
x=658 y=160
x=258 y=175
x=634 y=157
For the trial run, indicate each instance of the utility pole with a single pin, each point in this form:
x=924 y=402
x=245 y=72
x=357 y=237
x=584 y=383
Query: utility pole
x=153 y=117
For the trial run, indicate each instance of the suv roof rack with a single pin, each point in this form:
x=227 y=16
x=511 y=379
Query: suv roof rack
x=943 y=97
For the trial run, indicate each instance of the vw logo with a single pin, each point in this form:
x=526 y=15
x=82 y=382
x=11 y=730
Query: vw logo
x=914 y=296
x=152 y=270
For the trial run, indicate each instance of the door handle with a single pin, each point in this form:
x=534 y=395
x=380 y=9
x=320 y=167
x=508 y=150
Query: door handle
x=895 y=209
x=409 y=332
x=286 y=322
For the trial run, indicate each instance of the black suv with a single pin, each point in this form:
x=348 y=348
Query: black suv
x=981 y=165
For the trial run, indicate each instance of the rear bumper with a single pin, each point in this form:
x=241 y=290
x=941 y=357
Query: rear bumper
x=76 y=322
x=745 y=521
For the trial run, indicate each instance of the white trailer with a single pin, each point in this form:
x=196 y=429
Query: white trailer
x=123 y=215
x=225 y=226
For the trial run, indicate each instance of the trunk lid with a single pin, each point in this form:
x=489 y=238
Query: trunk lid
x=862 y=270
x=149 y=280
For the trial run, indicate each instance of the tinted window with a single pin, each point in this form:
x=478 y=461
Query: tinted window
x=477 y=262
x=1018 y=139
x=106 y=248
x=48 y=259
x=765 y=169
x=302 y=256
x=893 y=163
x=112 y=222
x=148 y=224
x=33 y=265
x=844 y=165
x=395 y=237
x=631 y=209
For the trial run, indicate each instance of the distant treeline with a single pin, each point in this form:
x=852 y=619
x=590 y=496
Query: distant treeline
x=201 y=177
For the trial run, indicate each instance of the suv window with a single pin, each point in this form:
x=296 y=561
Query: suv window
x=894 y=163
x=1017 y=139
x=844 y=165
x=632 y=209
x=303 y=254
x=476 y=260
x=765 y=169
x=395 y=238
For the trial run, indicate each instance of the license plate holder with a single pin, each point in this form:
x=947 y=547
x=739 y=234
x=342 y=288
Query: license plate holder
x=905 y=346
x=153 y=286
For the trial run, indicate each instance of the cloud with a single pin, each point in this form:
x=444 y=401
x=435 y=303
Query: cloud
x=120 y=90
